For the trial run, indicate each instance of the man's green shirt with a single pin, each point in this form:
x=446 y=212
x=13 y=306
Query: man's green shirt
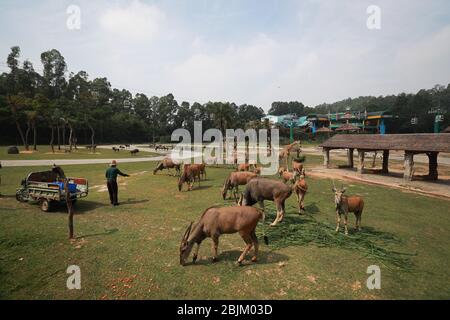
x=112 y=172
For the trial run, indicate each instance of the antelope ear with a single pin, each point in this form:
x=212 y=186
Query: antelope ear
x=343 y=189
x=333 y=189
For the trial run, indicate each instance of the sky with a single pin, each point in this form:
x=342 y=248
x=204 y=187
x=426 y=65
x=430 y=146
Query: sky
x=242 y=51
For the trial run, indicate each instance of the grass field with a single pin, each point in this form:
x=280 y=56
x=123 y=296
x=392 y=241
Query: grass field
x=131 y=251
x=45 y=152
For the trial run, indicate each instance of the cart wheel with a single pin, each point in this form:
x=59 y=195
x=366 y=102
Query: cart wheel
x=45 y=205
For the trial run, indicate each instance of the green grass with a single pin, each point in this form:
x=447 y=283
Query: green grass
x=131 y=251
x=45 y=152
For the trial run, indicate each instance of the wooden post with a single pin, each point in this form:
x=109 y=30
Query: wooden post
x=350 y=157
x=409 y=166
x=360 y=167
x=432 y=165
x=326 y=157
x=385 y=161
x=69 y=207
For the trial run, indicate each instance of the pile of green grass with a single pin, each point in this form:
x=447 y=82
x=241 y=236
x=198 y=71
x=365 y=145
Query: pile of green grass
x=306 y=230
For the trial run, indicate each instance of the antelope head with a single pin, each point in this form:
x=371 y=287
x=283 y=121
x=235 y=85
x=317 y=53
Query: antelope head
x=185 y=247
x=338 y=193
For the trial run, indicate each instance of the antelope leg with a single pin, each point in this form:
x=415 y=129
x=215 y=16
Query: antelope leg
x=194 y=258
x=338 y=220
x=248 y=240
x=215 y=246
x=345 y=223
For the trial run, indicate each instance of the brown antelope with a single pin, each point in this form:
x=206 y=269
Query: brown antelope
x=287 y=176
x=243 y=167
x=260 y=189
x=346 y=204
x=281 y=170
x=217 y=221
x=167 y=163
x=297 y=166
x=286 y=151
x=202 y=167
x=191 y=172
x=234 y=180
x=300 y=187
x=257 y=169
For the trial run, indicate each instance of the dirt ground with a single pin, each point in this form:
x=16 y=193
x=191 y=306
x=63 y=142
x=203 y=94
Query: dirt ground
x=394 y=179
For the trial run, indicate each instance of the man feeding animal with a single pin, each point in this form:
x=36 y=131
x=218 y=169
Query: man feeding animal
x=111 y=182
x=346 y=204
x=217 y=221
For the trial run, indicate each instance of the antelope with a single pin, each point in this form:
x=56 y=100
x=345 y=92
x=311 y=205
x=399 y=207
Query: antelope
x=286 y=151
x=260 y=189
x=115 y=149
x=217 y=221
x=234 y=180
x=167 y=163
x=287 y=176
x=297 y=166
x=257 y=169
x=191 y=172
x=202 y=167
x=346 y=204
x=281 y=170
x=243 y=167
x=134 y=151
x=300 y=187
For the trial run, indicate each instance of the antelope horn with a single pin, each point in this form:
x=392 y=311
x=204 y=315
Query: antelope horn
x=187 y=232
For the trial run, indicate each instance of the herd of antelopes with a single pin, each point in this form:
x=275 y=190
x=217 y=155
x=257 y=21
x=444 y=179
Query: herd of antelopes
x=243 y=217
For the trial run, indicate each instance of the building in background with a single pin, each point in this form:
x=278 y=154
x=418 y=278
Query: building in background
x=379 y=122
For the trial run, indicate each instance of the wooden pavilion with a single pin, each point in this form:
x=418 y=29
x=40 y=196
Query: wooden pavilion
x=428 y=143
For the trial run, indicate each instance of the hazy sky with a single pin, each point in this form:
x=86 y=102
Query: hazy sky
x=245 y=51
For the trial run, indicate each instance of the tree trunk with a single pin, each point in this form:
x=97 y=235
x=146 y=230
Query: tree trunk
x=69 y=207
x=70 y=136
x=52 y=138
x=92 y=134
x=22 y=137
x=58 y=137
x=26 y=135
x=34 y=137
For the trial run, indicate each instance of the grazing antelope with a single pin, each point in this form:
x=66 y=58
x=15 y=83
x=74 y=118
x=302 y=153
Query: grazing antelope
x=134 y=151
x=346 y=204
x=234 y=180
x=287 y=176
x=217 y=221
x=115 y=149
x=260 y=189
x=191 y=172
x=168 y=164
x=300 y=187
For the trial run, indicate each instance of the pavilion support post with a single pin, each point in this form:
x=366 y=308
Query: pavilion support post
x=326 y=157
x=385 y=161
x=432 y=165
x=409 y=165
x=350 y=157
x=360 y=167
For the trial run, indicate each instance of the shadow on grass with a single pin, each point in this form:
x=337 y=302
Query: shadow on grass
x=105 y=233
x=312 y=208
x=264 y=257
x=305 y=230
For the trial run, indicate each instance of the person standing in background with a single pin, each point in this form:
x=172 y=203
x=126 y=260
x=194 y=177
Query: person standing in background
x=111 y=182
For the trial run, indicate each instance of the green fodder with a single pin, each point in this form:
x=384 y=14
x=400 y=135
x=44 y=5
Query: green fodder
x=306 y=230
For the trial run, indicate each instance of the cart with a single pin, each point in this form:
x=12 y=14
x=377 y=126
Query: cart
x=47 y=188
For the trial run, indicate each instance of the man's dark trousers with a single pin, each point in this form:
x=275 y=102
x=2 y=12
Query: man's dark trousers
x=113 y=191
